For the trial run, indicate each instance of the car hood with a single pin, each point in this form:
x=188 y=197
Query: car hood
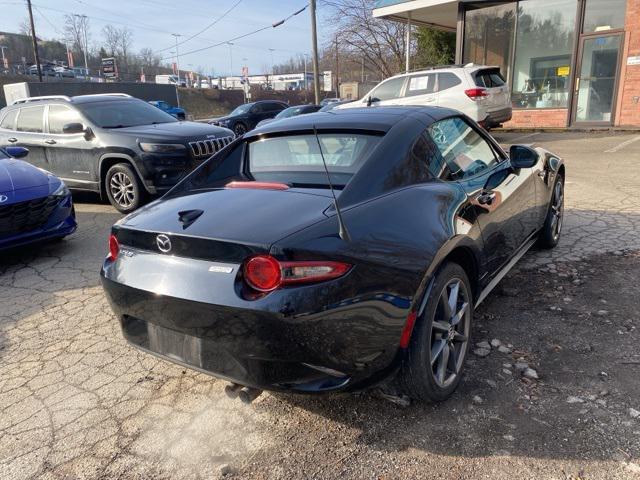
x=175 y=130
x=16 y=175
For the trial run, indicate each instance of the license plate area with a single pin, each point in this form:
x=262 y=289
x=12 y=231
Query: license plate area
x=175 y=345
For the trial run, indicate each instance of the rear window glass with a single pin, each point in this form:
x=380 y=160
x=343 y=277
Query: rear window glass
x=297 y=160
x=447 y=80
x=9 y=120
x=421 y=85
x=489 y=79
x=30 y=119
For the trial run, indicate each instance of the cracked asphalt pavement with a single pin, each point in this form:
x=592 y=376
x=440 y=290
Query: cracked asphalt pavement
x=77 y=402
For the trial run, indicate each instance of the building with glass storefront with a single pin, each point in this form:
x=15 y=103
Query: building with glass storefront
x=568 y=62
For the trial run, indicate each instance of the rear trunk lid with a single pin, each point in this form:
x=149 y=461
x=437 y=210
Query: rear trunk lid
x=498 y=95
x=224 y=225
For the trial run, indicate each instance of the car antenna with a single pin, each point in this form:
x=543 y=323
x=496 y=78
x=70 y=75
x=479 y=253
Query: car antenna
x=343 y=232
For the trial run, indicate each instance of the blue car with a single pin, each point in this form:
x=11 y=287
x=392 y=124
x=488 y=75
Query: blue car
x=177 y=112
x=34 y=205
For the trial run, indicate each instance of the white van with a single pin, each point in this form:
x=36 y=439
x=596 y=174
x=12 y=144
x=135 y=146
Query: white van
x=478 y=91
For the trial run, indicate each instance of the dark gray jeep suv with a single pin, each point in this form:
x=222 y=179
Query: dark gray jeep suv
x=113 y=144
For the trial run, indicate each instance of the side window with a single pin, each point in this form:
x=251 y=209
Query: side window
x=388 y=90
x=59 y=116
x=258 y=108
x=275 y=107
x=447 y=80
x=421 y=85
x=461 y=148
x=9 y=120
x=30 y=119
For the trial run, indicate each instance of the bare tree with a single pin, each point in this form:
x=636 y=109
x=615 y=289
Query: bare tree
x=380 y=42
x=124 y=44
x=76 y=29
x=111 y=39
x=148 y=58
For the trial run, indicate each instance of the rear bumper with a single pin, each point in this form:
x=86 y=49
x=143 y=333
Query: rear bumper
x=341 y=348
x=498 y=117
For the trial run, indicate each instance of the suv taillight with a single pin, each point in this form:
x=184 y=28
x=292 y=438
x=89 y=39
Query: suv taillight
x=265 y=274
x=475 y=93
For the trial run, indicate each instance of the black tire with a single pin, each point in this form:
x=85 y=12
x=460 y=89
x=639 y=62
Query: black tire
x=437 y=337
x=239 y=129
x=550 y=234
x=123 y=188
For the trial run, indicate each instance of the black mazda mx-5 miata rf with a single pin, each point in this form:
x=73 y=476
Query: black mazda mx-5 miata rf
x=250 y=271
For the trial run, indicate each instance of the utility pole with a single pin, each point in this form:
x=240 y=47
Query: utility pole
x=5 y=64
x=314 y=43
x=35 y=42
x=176 y=35
x=83 y=23
x=337 y=70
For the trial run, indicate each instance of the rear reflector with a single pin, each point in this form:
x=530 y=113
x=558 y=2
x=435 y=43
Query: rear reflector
x=114 y=248
x=258 y=185
x=474 y=93
x=265 y=274
x=408 y=329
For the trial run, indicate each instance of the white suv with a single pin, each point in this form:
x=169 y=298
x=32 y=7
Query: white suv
x=478 y=91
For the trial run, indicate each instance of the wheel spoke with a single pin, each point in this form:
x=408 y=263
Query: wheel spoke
x=442 y=365
x=453 y=300
x=458 y=316
x=436 y=350
x=440 y=326
x=460 y=338
x=453 y=359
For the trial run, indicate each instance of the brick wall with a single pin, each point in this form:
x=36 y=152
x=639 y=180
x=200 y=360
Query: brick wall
x=538 y=118
x=629 y=95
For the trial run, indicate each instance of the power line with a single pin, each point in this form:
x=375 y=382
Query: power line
x=205 y=28
x=274 y=25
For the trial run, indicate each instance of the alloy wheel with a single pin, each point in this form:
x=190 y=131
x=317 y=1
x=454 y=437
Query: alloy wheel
x=240 y=130
x=450 y=333
x=122 y=189
x=557 y=210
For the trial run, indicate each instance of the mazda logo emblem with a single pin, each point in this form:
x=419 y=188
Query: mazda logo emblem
x=164 y=243
x=3 y=198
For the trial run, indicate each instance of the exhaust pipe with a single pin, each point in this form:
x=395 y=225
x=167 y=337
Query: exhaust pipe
x=248 y=394
x=232 y=390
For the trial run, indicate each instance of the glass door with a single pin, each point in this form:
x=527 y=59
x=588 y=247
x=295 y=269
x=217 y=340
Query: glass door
x=597 y=79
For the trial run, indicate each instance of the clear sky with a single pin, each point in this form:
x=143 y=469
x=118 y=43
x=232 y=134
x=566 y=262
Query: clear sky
x=153 y=22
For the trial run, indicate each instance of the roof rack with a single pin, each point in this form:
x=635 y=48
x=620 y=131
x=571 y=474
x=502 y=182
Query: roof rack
x=38 y=99
x=106 y=95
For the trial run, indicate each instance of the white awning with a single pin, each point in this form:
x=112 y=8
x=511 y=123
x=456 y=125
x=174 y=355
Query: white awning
x=441 y=14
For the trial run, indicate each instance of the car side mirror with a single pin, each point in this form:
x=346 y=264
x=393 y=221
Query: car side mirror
x=522 y=156
x=75 y=127
x=17 y=152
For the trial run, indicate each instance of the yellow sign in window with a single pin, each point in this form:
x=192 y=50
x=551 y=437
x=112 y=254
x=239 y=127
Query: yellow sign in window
x=564 y=71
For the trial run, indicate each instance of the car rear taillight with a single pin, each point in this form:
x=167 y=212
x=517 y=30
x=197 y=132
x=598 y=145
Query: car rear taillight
x=114 y=247
x=258 y=185
x=475 y=93
x=265 y=274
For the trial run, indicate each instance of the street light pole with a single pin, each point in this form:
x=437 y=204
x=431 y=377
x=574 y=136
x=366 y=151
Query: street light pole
x=84 y=48
x=230 y=58
x=35 y=41
x=5 y=64
x=176 y=35
x=314 y=44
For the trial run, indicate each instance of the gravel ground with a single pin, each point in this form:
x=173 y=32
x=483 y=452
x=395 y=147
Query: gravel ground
x=77 y=402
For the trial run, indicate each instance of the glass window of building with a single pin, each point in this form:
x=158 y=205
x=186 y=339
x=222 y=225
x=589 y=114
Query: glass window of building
x=489 y=36
x=544 y=43
x=601 y=16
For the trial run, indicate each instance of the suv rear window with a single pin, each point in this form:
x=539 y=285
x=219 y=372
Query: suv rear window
x=30 y=119
x=296 y=159
x=489 y=78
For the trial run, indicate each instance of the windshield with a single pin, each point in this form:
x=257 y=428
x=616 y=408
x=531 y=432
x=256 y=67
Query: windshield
x=124 y=113
x=289 y=112
x=297 y=160
x=241 y=109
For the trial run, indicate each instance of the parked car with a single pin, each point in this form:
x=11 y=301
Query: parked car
x=290 y=112
x=34 y=205
x=328 y=101
x=332 y=105
x=247 y=116
x=113 y=144
x=478 y=91
x=177 y=112
x=433 y=213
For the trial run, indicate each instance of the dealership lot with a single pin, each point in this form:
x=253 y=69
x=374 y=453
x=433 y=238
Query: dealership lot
x=77 y=402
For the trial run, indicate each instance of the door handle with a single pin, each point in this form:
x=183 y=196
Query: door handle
x=50 y=141
x=486 y=198
x=12 y=140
